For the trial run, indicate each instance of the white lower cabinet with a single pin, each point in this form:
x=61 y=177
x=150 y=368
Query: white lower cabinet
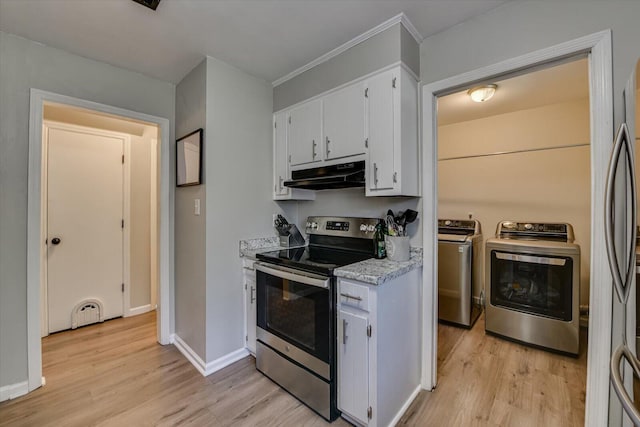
x=249 y=278
x=378 y=348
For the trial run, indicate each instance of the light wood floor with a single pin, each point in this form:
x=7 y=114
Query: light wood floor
x=115 y=374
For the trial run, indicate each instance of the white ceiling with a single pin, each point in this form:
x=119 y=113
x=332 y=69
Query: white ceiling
x=266 y=38
x=551 y=85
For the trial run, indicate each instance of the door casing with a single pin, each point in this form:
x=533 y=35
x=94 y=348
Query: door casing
x=598 y=47
x=34 y=222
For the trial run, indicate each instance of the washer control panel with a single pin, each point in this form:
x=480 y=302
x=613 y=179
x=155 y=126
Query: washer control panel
x=535 y=230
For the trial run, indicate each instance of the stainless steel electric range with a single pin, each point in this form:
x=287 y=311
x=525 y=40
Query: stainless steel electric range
x=296 y=304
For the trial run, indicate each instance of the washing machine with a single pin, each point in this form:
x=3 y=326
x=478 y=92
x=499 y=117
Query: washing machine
x=459 y=271
x=533 y=285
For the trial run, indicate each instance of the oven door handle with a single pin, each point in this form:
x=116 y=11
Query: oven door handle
x=531 y=259
x=294 y=275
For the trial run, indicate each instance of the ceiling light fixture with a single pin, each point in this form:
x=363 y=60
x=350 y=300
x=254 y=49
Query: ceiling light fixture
x=482 y=93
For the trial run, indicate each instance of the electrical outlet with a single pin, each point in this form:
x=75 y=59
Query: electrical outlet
x=275 y=216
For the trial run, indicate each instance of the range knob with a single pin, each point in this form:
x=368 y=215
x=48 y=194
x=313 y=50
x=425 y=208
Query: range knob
x=371 y=228
x=363 y=227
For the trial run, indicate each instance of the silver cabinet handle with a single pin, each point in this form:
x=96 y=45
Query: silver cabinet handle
x=375 y=174
x=622 y=284
x=328 y=141
x=357 y=298
x=253 y=294
x=313 y=148
x=344 y=331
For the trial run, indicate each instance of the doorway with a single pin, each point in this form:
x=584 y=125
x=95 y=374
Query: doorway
x=34 y=221
x=598 y=49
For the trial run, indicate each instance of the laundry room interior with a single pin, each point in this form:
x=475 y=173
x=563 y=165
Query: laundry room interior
x=521 y=156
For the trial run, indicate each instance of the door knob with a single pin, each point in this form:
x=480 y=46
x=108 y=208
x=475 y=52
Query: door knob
x=55 y=240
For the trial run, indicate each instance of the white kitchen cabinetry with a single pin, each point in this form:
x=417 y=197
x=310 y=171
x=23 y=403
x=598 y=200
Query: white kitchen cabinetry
x=378 y=348
x=304 y=134
x=249 y=278
x=343 y=122
x=281 y=171
x=392 y=134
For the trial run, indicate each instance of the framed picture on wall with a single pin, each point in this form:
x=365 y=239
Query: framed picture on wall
x=189 y=159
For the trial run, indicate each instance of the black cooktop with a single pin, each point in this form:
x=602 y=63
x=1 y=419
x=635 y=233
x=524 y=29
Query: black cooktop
x=314 y=259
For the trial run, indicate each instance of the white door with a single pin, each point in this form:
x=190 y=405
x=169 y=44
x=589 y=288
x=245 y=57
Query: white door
x=343 y=122
x=353 y=365
x=84 y=223
x=280 y=161
x=380 y=101
x=305 y=133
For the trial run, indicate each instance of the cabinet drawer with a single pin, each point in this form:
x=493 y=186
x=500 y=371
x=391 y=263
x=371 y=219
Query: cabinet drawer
x=353 y=295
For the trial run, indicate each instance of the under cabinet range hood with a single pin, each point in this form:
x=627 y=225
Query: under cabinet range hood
x=345 y=175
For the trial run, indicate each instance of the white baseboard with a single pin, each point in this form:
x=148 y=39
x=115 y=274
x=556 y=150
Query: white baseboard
x=12 y=391
x=406 y=405
x=207 y=368
x=138 y=310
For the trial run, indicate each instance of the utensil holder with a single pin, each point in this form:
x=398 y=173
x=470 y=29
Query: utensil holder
x=397 y=247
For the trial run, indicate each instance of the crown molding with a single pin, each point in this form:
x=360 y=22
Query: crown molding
x=400 y=18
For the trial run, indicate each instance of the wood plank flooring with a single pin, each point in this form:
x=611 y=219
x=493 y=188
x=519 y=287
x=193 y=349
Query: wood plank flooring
x=115 y=374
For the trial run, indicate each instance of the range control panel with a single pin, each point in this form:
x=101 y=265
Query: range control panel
x=535 y=230
x=345 y=227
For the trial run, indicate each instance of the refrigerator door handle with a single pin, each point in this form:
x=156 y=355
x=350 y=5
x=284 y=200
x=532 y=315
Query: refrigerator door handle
x=622 y=284
x=617 y=383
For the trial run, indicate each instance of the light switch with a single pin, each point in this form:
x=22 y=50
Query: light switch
x=196 y=206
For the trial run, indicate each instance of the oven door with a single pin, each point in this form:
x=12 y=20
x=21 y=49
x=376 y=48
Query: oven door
x=296 y=308
x=535 y=284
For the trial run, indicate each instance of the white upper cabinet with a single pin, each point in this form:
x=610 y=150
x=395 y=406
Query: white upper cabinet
x=305 y=133
x=343 y=122
x=280 y=164
x=392 y=134
x=281 y=171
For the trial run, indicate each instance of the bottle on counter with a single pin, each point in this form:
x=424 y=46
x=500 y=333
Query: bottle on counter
x=378 y=238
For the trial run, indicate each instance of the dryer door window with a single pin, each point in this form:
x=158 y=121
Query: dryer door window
x=540 y=285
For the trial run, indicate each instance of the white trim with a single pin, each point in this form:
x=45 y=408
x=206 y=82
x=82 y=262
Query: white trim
x=134 y=311
x=153 y=223
x=207 y=369
x=601 y=91
x=405 y=406
x=352 y=82
x=126 y=231
x=13 y=391
x=36 y=101
x=400 y=18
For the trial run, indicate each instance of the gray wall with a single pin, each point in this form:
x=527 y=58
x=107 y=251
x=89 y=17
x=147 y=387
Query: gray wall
x=516 y=28
x=190 y=229
x=385 y=48
x=239 y=205
x=25 y=65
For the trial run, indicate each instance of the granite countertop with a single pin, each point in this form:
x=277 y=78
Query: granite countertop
x=379 y=271
x=373 y=271
x=249 y=248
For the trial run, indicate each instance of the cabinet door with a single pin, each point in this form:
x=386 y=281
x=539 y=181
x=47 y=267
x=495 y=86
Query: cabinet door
x=344 y=123
x=353 y=365
x=280 y=161
x=305 y=133
x=381 y=125
x=250 y=285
